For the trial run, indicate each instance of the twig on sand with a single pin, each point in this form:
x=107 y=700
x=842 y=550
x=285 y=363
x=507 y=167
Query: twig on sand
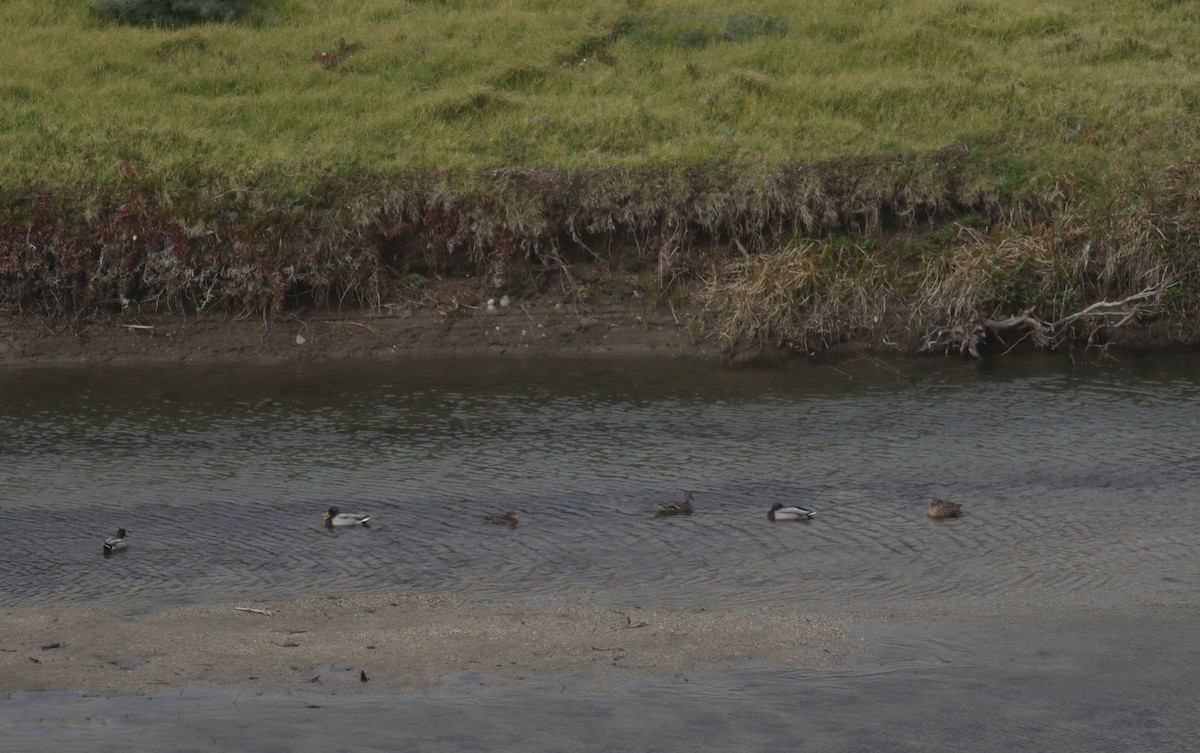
x=360 y=324
x=255 y=611
x=628 y=622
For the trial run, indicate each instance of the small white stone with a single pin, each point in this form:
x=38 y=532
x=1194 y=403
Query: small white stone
x=300 y=340
x=503 y=300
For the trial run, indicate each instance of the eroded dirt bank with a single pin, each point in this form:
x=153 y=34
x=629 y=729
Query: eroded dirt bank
x=804 y=258
x=520 y=329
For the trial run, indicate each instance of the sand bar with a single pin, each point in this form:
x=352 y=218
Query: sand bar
x=399 y=642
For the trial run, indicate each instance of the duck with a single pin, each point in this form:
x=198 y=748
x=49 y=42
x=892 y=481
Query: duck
x=116 y=543
x=509 y=518
x=335 y=517
x=676 y=508
x=779 y=512
x=940 y=508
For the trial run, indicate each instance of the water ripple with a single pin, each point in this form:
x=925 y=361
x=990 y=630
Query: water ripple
x=1078 y=483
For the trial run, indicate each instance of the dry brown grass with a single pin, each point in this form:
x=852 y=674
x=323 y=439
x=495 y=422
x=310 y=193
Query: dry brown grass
x=1042 y=270
x=804 y=297
x=800 y=257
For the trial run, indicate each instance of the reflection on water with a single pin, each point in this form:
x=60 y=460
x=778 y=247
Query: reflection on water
x=1079 y=482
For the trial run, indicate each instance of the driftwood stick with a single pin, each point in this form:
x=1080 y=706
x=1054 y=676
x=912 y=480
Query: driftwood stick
x=255 y=611
x=1104 y=308
x=1043 y=333
x=1026 y=321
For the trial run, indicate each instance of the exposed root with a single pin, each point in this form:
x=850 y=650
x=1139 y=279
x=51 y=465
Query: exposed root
x=1043 y=334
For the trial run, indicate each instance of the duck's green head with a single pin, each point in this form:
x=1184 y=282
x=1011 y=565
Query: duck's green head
x=333 y=512
x=776 y=506
x=120 y=533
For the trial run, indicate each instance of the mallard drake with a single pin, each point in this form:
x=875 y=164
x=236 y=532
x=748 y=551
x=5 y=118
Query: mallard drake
x=676 y=508
x=116 y=543
x=509 y=518
x=335 y=517
x=940 y=508
x=779 y=512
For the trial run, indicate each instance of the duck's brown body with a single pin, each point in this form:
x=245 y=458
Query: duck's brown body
x=677 y=508
x=508 y=518
x=940 y=508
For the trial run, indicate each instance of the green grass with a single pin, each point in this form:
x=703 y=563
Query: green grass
x=1037 y=90
x=810 y=170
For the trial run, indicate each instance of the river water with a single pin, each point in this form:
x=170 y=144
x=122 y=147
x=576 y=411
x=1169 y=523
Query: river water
x=1065 y=599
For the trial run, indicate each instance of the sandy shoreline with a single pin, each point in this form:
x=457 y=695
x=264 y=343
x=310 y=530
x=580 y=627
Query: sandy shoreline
x=446 y=676
x=401 y=642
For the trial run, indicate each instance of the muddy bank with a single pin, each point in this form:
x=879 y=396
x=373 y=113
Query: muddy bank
x=519 y=329
x=397 y=642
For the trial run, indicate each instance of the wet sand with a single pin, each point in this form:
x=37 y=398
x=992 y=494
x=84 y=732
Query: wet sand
x=1074 y=680
x=399 y=642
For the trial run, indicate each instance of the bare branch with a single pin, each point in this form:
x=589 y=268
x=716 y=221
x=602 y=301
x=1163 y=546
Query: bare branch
x=1104 y=308
x=1044 y=334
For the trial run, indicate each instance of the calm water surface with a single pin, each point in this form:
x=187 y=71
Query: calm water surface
x=1081 y=486
x=1080 y=482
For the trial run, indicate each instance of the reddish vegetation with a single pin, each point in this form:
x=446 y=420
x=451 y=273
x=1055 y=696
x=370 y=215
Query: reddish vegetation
x=868 y=248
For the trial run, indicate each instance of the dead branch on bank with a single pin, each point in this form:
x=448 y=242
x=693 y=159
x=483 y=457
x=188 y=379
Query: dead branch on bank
x=1042 y=333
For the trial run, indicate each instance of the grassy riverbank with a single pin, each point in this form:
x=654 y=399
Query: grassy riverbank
x=379 y=87
x=799 y=175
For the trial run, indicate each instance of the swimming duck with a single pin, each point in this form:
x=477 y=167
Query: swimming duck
x=676 y=508
x=335 y=517
x=779 y=512
x=509 y=518
x=940 y=508
x=116 y=543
